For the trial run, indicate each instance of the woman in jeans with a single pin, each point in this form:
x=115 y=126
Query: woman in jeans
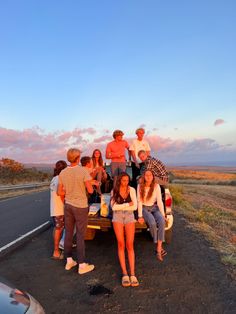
x=124 y=203
x=151 y=210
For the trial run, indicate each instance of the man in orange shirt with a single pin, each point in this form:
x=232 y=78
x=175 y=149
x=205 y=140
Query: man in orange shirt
x=116 y=152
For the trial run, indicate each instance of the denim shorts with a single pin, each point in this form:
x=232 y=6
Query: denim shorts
x=123 y=216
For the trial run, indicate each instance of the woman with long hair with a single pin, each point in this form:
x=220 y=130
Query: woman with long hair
x=151 y=210
x=124 y=203
x=98 y=172
x=57 y=209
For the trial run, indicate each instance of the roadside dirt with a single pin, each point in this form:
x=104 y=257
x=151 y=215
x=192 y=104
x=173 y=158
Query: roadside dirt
x=190 y=280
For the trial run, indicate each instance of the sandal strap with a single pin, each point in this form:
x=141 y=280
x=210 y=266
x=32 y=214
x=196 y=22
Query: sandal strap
x=134 y=280
x=125 y=279
x=163 y=252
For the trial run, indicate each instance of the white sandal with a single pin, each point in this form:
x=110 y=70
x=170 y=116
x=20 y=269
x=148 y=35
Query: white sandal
x=134 y=281
x=125 y=281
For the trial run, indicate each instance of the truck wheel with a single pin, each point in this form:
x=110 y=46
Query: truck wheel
x=168 y=236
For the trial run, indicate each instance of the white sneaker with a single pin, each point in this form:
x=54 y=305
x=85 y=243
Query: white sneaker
x=70 y=265
x=85 y=269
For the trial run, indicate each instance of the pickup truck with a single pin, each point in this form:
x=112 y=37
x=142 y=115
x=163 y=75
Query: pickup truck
x=97 y=222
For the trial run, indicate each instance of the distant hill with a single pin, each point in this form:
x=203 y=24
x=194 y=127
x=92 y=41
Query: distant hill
x=40 y=166
x=231 y=163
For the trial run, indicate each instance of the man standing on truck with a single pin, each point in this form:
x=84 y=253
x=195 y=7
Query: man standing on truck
x=74 y=181
x=115 y=151
x=155 y=165
x=138 y=144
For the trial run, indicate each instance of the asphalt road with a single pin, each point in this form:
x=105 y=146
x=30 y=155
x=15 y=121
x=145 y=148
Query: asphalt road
x=190 y=280
x=22 y=214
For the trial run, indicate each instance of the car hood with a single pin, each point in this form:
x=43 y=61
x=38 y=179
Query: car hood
x=13 y=300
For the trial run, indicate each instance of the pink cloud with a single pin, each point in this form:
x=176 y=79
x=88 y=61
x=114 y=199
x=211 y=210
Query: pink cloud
x=36 y=145
x=170 y=147
x=65 y=136
x=219 y=122
x=91 y=131
x=102 y=139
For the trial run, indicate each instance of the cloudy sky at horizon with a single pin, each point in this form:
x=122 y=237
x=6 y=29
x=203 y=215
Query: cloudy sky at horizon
x=72 y=73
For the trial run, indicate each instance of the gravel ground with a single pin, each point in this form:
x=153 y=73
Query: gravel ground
x=190 y=280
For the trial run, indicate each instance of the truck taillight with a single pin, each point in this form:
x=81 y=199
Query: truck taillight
x=168 y=202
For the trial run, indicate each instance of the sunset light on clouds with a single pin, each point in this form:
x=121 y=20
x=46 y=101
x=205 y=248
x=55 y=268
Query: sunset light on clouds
x=72 y=73
x=35 y=145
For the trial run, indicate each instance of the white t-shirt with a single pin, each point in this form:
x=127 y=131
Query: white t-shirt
x=155 y=198
x=137 y=145
x=56 y=204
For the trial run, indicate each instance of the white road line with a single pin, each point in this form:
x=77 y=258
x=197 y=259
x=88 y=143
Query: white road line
x=23 y=236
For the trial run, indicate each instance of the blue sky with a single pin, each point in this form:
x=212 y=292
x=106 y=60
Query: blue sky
x=73 y=71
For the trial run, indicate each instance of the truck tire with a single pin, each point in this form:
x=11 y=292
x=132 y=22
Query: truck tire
x=168 y=236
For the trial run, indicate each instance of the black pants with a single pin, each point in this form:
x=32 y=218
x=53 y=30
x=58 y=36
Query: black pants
x=135 y=174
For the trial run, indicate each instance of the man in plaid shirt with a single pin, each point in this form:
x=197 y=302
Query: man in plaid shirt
x=155 y=165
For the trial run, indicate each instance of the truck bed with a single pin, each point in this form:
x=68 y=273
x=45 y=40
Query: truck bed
x=104 y=224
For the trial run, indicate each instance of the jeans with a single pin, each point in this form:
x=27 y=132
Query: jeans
x=153 y=217
x=75 y=216
x=116 y=169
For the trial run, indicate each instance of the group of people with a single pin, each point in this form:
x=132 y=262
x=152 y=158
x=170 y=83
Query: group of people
x=72 y=185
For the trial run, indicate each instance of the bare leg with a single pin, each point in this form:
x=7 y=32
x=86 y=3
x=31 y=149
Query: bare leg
x=119 y=232
x=57 y=236
x=129 y=232
x=159 y=250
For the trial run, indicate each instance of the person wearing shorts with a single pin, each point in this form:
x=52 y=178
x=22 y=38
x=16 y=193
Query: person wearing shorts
x=57 y=209
x=59 y=222
x=123 y=204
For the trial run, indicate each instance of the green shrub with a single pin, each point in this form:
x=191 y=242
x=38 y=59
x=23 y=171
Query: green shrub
x=177 y=194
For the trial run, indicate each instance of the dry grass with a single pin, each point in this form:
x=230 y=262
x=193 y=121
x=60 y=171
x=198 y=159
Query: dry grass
x=212 y=211
x=203 y=175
